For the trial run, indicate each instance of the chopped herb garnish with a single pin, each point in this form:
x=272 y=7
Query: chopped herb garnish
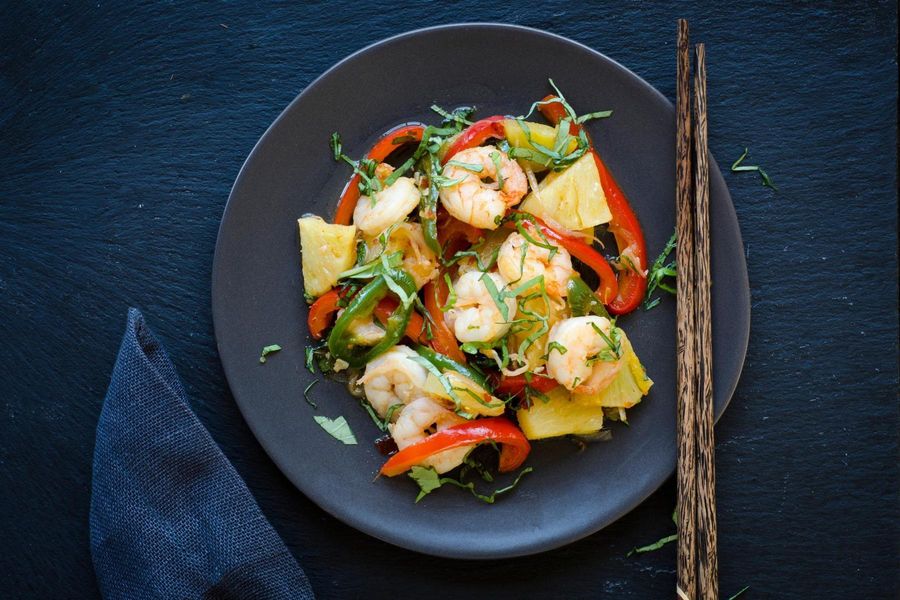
x=338 y=428
x=495 y=158
x=390 y=412
x=267 y=350
x=451 y=296
x=405 y=299
x=444 y=182
x=442 y=379
x=470 y=464
x=382 y=424
x=475 y=168
x=614 y=343
x=555 y=346
x=306 y=393
x=310 y=352
x=374 y=267
x=491 y=288
x=740 y=591
x=737 y=167
x=369 y=409
x=600 y=114
x=654 y=546
x=659 y=272
x=459 y=116
x=336 y=149
x=365 y=168
x=429 y=480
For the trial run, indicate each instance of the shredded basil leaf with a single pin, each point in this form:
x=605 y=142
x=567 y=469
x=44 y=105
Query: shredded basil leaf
x=600 y=114
x=374 y=267
x=473 y=167
x=372 y=414
x=336 y=145
x=451 y=296
x=267 y=350
x=491 y=288
x=310 y=352
x=661 y=270
x=737 y=167
x=654 y=546
x=740 y=591
x=306 y=393
x=382 y=424
x=429 y=480
x=555 y=346
x=495 y=158
x=444 y=381
x=459 y=116
x=337 y=428
x=390 y=412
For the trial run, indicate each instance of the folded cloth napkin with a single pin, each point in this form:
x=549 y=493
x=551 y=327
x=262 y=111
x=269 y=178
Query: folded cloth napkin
x=170 y=517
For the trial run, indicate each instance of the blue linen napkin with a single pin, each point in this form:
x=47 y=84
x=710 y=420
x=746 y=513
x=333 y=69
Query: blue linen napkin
x=170 y=517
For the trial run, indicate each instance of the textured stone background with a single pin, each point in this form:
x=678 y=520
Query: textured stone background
x=121 y=131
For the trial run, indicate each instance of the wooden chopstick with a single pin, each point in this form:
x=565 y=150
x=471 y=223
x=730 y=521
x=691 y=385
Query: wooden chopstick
x=686 y=373
x=706 y=464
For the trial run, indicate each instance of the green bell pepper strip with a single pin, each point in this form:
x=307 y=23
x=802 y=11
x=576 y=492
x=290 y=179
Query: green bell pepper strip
x=361 y=306
x=582 y=299
x=445 y=363
x=428 y=207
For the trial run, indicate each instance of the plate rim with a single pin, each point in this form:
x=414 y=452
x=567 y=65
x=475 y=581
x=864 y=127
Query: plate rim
x=351 y=518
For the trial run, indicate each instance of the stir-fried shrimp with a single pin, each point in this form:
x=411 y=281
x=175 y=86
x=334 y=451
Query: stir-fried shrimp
x=421 y=418
x=520 y=260
x=583 y=354
x=476 y=315
x=491 y=183
x=418 y=259
x=393 y=378
x=389 y=206
x=363 y=331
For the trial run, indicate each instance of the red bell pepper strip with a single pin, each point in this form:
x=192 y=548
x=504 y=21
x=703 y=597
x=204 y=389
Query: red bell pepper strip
x=384 y=147
x=453 y=234
x=624 y=226
x=516 y=384
x=514 y=446
x=322 y=312
x=443 y=339
x=608 y=287
x=476 y=134
x=415 y=329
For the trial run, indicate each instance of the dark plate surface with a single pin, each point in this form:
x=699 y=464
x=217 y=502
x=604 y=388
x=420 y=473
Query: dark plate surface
x=257 y=293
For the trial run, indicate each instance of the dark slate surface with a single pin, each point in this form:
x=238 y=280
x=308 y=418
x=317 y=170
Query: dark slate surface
x=121 y=130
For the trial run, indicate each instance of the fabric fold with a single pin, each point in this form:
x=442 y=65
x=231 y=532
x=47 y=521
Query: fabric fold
x=170 y=517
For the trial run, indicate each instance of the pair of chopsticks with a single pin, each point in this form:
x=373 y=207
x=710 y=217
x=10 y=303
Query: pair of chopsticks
x=698 y=570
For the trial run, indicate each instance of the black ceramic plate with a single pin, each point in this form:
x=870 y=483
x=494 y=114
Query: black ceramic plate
x=258 y=300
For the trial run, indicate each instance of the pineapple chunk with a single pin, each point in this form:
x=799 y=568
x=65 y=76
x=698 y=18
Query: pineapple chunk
x=326 y=250
x=541 y=134
x=573 y=198
x=559 y=415
x=629 y=386
x=473 y=398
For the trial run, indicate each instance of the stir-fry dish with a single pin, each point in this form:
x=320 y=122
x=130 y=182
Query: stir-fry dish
x=463 y=294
